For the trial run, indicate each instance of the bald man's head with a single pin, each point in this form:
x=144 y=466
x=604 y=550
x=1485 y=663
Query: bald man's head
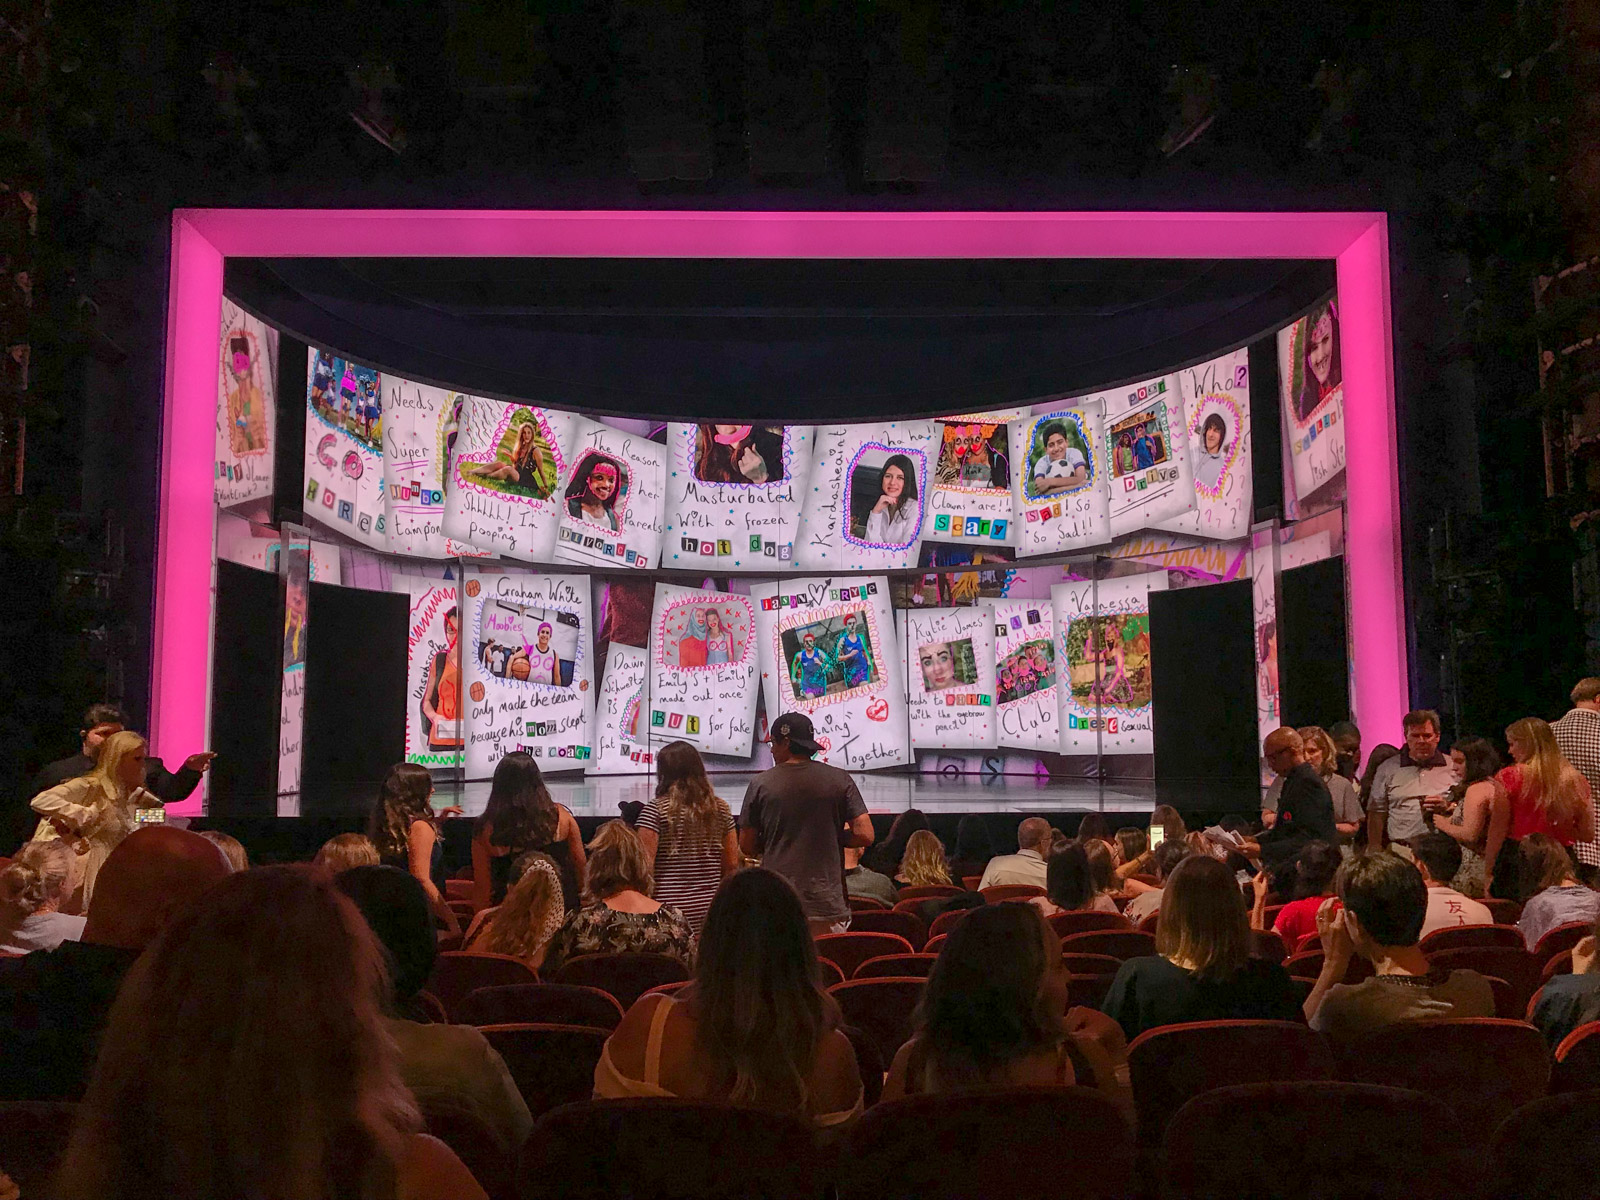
x=1283 y=749
x=154 y=874
x=1034 y=834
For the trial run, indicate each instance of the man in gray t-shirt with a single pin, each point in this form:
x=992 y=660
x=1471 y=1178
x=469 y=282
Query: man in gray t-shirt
x=796 y=817
x=1394 y=809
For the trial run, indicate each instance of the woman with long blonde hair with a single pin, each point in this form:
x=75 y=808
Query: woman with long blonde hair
x=688 y=834
x=94 y=812
x=923 y=864
x=270 y=1072
x=529 y=915
x=1547 y=793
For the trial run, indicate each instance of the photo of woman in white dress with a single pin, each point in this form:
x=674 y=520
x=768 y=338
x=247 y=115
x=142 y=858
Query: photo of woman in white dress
x=892 y=518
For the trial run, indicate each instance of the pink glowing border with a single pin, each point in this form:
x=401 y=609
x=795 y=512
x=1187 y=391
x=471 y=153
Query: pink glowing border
x=202 y=238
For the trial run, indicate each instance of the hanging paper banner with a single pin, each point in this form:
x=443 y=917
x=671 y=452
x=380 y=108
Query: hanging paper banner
x=1312 y=386
x=420 y=425
x=247 y=411
x=1216 y=409
x=703 y=670
x=529 y=671
x=511 y=462
x=435 y=697
x=866 y=509
x=1057 y=481
x=611 y=502
x=1103 y=663
x=971 y=498
x=1028 y=711
x=733 y=495
x=344 y=449
x=826 y=649
x=950 y=677
x=622 y=717
x=292 y=698
x=1145 y=451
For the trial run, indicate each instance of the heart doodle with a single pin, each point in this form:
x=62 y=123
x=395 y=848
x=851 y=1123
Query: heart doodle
x=878 y=710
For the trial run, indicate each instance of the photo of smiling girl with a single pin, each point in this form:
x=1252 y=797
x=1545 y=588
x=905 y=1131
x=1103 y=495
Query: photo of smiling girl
x=597 y=485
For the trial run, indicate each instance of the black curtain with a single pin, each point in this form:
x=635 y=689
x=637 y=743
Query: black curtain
x=246 y=687
x=1202 y=677
x=1313 y=655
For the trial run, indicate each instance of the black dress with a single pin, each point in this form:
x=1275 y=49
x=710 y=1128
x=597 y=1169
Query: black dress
x=500 y=871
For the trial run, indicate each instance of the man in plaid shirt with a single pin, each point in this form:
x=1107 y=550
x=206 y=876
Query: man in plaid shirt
x=1578 y=735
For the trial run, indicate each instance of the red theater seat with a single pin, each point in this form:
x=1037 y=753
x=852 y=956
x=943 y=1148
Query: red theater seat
x=1561 y=939
x=551 y=1064
x=540 y=1003
x=1001 y=892
x=1577 y=1066
x=1118 y=943
x=458 y=972
x=1087 y=991
x=33 y=1141
x=1511 y=963
x=1546 y=1149
x=1504 y=912
x=946 y=921
x=1068 y=923
x=934 y=943
x=1455 y=936
x=1308 y=965
x=900 y=965
x=847 y=951
x=475 y=1144
x=906 y=925
x=627 y=976
x=881 y=1008
x=1091 y=964
x=1021 y=1144
x=928 y=891
x=860 y=904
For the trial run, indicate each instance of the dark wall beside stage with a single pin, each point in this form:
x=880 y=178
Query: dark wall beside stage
x=1313 y=655
x=1202 y=677
x=246 y=687
x=355 y=687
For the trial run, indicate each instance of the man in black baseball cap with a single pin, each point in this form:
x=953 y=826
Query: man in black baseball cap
x=799 y=816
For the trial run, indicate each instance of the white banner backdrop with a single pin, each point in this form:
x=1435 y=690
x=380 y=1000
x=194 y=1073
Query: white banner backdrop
x=950 y=677
x=1103 y=663
x=1058 y=479
x=435 y=697
x=826 y=648
x=971 y=498
x=510 y=464
x=420 y=425
x=733 y=495
x=247 y=409
x=867 y=507
x=1028 y=711
x=703 y=670
x=611 y=502
x=622 y=715
x=344 y=449
x=1216 y=406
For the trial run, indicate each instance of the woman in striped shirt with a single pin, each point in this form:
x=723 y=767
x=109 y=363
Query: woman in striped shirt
x=688 y=832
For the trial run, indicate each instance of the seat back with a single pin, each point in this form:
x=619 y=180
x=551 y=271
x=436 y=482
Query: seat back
x=1559 y=964
x=626 y=975
x=1482 y=1067
x=1504 y=912
x=945 y=922
x=552 y=1065
x=1032 y=1140
x=1328 y=1139
x=934 y=942
x=1308 y=965
x=847 y=951
x=431 y=1007
x=669 y=989
x=1087 y=991
x=1512 y=963
x=540 y=1003
x=475 y=1144
x=1118 y=943
x=458 y=972
x=830 y=972
x=901 y=965
x=861 y=904
x=970 y=882
x=1001 y=892
x=1170 y=1065
x=33 y=1142
x=928 y=891
x=1505 y=999
x=1577 y=1065
x=1068 y=923
x=904 y=924
x=1151 y=923
x=1452 y=936
x=648 y=1149
x=1545 y=1148
x=1561 y=939
x=1265 y=944
x=1090 y=964
x=881 y=1008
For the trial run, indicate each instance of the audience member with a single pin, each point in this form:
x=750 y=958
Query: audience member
x=973 y=848
x=755 y=1027
x=863 y=881
x=1314 y=870
x=1568 y=1001
x=33 y=887
x=991 y=1015
x=1577 y=735
x=99 y=723
x=1438 y=857
x=1103 y=873
x=1476 y=813
x=923 y=863
x=1381 y=753
x=447 y=1067
x=1394 y=801
x=1070 y=883
x=1347 y=749
x=520 y=816
x=1170 y=822
x=250 y=1044
x=53 y=1003
x=885 y=856
x=1147 y=903
x=620 y=916
x=1130 y=849
x=405 y=829
x=1202 y=970
x=1094 y=827
x=798 y=817
x=1027 y=864
x=1547 y=793
x=1385 y=903
x=1322 y=758
x=1305 y=806
x=231 y=848
x=94 y=812
x=688 y=834
x=346 y=850
x=523 y=924
x=1551 y=892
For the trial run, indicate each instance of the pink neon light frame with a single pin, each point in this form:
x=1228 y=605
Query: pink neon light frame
x=203 y=238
